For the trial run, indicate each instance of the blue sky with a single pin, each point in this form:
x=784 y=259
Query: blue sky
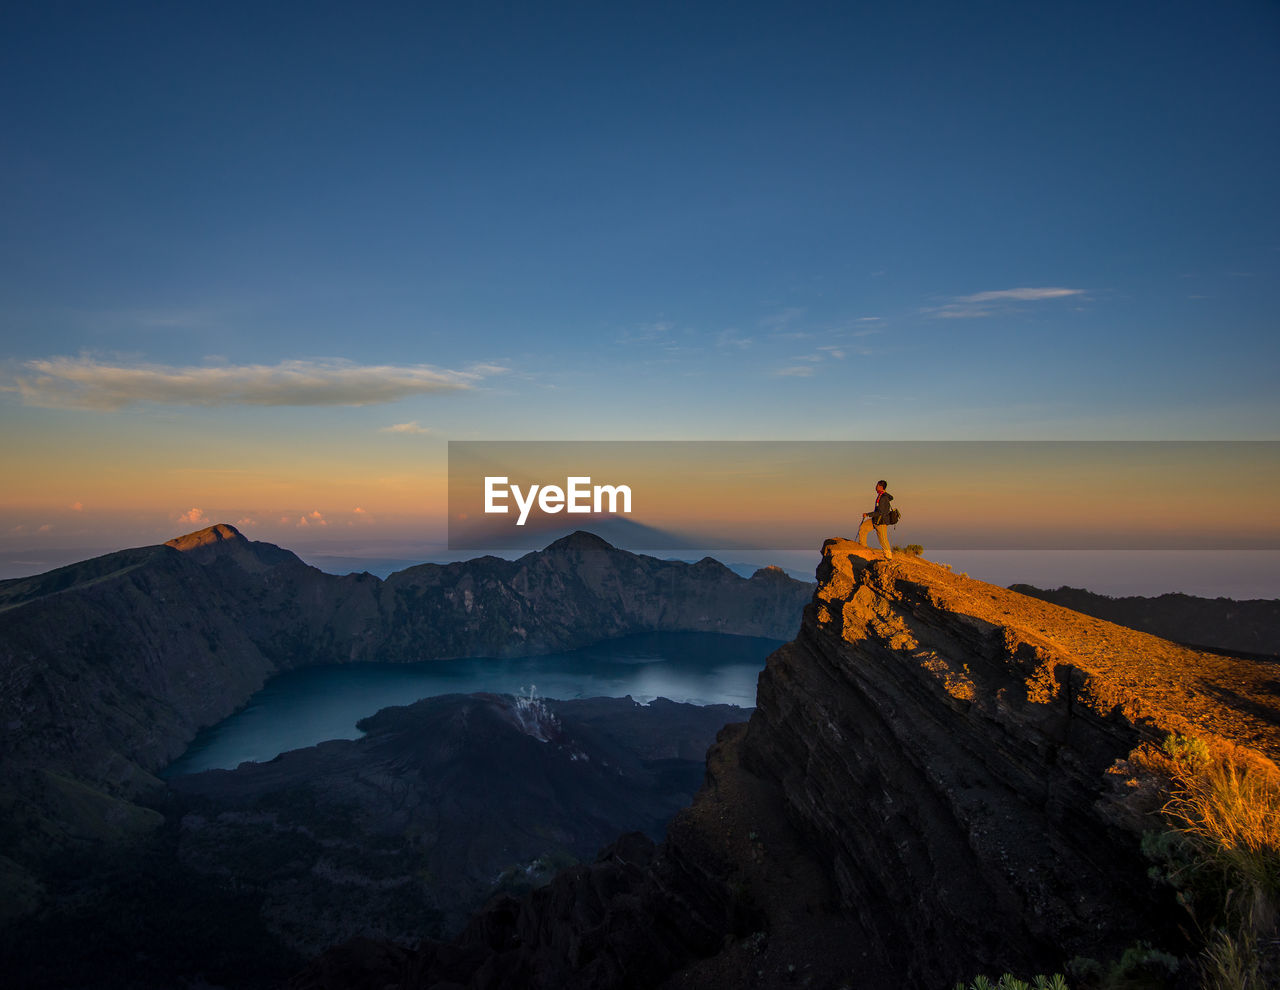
x=290 y=243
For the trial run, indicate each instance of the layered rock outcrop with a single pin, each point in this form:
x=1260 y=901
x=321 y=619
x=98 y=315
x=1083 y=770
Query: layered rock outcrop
x=936 y=782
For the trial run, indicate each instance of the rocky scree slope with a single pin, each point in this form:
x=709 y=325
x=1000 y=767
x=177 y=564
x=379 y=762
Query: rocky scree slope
x=937 y=782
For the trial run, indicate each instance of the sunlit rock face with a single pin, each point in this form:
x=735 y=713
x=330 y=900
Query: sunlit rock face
x=937 y=782
x=946 y=747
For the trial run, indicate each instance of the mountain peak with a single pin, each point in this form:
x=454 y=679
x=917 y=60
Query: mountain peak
x=210 y=536
x=225 y=542
x=581 y=540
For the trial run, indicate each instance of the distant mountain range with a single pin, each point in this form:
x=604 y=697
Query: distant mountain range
x=483 y=533
x=1243 y=627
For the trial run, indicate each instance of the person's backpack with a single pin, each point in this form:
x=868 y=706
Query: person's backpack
x=894 y=516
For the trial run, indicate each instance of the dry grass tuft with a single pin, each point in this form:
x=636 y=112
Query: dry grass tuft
x=1226 y=808
x=1228 y=805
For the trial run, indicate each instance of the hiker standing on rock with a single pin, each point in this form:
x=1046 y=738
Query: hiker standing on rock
x=879 y=518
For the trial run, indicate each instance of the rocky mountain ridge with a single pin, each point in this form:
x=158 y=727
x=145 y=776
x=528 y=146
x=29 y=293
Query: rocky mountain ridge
x=940 y=779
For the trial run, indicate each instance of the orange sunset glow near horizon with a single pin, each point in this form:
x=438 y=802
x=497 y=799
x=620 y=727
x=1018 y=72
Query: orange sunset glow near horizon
x=778 y=494
x=743 y=494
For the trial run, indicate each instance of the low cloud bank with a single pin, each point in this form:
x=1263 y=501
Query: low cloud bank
x=88 y=383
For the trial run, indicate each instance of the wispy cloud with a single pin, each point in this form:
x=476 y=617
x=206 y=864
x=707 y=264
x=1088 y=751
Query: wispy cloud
x=823 y=355
x=410 y=428
x=955 y=311
x=978 y=305
x=89 y=383
x=783 y=317
x=730 y=338
x=1020 y=294
x=193 y=517
x=657 y=331
x=172 y=319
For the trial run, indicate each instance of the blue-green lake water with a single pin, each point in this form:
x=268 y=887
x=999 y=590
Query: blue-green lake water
x=304 y=707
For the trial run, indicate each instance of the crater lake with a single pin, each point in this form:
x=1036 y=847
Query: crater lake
x=303 y=707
